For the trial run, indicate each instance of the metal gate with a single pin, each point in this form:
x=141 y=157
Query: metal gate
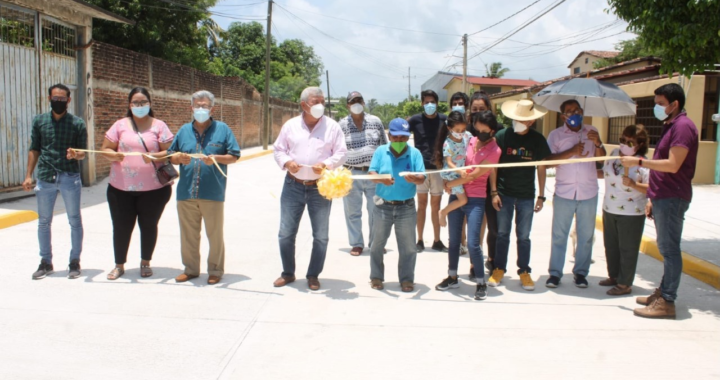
x=32 y=58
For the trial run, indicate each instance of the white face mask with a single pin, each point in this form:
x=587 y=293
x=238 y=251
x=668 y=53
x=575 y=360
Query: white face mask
x=457 y=136
x=317 y=111
x=519 y=127
x=357 y=109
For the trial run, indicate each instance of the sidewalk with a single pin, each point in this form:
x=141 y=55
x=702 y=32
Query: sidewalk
x=243 y=328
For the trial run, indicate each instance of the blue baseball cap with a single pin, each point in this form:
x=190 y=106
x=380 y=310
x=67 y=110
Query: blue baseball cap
x=399 y=127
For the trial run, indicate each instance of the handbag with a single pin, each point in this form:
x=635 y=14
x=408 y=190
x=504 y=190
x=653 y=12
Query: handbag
x=166 y=173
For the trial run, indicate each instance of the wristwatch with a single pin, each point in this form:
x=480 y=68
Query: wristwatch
x=542 y=198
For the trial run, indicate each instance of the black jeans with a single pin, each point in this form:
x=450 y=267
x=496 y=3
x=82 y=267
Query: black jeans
x=492 y=225
x=129 y=207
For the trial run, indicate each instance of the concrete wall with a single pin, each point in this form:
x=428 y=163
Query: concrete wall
x=580 y=62
x=455 y=85
x=116 y=71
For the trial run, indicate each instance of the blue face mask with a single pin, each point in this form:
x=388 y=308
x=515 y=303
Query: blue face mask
x=140 y=111
x=575 y=121
x=659 y=112
x=460 y=109
x=201 y=115
x=430 y=108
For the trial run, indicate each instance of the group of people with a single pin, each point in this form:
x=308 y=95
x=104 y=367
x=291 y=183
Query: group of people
x=470 y=135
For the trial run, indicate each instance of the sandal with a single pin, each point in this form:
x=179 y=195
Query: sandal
x=608 y=282
x=407 y=286
x=115 y=273
x=376 y=284
x=145 y=270
x=618 y=291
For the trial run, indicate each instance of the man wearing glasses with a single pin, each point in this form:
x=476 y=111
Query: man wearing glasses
x=54 y=136
x=576 y=192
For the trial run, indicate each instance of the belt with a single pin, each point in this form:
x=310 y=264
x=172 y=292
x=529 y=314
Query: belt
x=306 y=182
x=399 y=203
x=363 y=168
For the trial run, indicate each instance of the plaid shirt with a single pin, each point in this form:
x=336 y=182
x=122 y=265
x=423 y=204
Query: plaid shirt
x=52 y=138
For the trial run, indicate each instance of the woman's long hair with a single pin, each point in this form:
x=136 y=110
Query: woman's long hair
x=641 y=136
x=453 y=118
x=141 y=90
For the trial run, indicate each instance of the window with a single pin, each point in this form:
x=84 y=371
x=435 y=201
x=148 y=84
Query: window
x=576 y=70
x=586 y=60
x=17 y=27
x=491 y=89
x=644 y=116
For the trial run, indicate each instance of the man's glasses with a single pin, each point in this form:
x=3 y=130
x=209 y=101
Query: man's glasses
x=59 y=99
x=141 y=103
x=570 y=114
x=202 y=107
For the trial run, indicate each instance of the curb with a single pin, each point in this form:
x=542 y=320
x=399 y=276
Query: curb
x=17 y=217
x=700 y=269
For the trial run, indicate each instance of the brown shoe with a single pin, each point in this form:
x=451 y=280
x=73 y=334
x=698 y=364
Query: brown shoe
x=407 y=286
x=376 y=284
x=313 y=283
x=658 y=309
x=619 y=290
x=649 y=299
x=356 y=251
x=184 y=277
x=212 y=280
x=608 y=282
x=283 y=280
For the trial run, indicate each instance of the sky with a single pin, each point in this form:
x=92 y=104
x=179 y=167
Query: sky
x=368 y=45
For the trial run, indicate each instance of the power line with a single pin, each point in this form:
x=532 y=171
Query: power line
x=505 y=19
x=185 y=8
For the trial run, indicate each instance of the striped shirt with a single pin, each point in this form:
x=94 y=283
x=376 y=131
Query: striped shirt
x=361 y=144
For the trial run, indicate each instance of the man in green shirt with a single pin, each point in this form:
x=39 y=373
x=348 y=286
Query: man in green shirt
x=54 y=137
x=514 y=188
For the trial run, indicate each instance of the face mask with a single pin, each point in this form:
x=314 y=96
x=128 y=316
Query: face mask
x=140 y=111
x=317 y=111
x=660 y=112
x=357 y=109
x=58 y=107
x=460 y=109
x=201 y=115
x=398 y=146
x=519 y=127
x=575 y=121
x=484 y=136
x=626 y=150
x=430 y=108
x=457 y=136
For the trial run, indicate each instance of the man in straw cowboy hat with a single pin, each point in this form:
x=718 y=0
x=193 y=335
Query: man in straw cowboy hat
x=513 y=190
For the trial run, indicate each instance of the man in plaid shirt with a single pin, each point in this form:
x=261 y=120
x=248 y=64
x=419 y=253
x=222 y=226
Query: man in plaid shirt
x=53 y=138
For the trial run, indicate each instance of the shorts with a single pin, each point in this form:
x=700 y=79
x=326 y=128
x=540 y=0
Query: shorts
x=450 y=176
x=433 y=184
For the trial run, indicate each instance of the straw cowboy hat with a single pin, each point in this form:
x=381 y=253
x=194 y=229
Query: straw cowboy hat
x=522 y=110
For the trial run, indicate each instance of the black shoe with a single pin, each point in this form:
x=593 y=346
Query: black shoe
x=552 y=282
x=43 y=270
x=480 y=292
x=448 y=283
x=580 y=281
x=74 y=269
x=471 y=276
x=420 y=246
x=439 y=246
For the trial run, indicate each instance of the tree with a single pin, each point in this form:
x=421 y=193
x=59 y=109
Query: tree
x=415 y=107
x=629 y=49
x=495 y=70
x=688 y=33
x=167 y=30
x=371 y=105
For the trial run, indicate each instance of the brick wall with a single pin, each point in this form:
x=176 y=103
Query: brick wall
x=116 y=71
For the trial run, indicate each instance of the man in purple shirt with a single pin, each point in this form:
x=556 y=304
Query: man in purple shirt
x=671 y=172
x=576 y=192
x=307 y=145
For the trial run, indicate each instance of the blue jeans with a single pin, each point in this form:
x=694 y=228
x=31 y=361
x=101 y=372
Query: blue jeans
x=474 y=210
x=669 y=216
x=70 y=186
x=295 y=196
x=525 y=208
x=404 y=218
x=353 y=210
x=563 y=212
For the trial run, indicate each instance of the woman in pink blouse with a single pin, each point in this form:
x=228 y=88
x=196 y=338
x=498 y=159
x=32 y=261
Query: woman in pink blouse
x=135 y=193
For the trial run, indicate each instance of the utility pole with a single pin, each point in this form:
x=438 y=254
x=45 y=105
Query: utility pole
x=409 y=91
x=266 y=92
x=465 y=44
x=327 y=79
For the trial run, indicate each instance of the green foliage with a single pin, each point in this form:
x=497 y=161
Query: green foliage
x=688 y=32
x=416 y=107
x=174 y=32
x=495 y=70
x=629 y=49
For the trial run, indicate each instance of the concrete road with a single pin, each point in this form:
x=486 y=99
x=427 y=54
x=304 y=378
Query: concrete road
x=243 y=328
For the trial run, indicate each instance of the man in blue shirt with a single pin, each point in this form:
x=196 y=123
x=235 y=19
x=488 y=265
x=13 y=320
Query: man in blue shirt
x=201 y=189
x=395 y=204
